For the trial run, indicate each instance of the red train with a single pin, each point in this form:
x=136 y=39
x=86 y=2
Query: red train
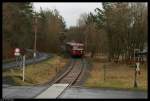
x=75 y=49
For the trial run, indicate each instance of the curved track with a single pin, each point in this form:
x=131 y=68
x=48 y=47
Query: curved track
x=72 y=74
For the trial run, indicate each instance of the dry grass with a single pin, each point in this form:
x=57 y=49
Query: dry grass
x=117 y=76
x=37 y=73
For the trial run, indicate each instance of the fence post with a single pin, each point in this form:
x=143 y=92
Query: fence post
x=23 y=68
x=104 y=67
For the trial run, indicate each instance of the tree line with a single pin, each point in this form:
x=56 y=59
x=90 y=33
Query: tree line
x=19 y=25
x=115 y=30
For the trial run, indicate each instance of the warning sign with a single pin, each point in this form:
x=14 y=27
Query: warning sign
x=17 y=52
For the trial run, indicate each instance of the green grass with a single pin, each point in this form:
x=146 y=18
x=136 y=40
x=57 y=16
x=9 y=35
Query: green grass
x=35 y=74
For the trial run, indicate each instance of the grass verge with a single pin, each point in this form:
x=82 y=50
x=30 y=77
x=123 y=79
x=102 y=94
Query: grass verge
x=117 y=76
x=36 y=74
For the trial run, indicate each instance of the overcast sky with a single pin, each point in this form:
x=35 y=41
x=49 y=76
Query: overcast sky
x=70 y=11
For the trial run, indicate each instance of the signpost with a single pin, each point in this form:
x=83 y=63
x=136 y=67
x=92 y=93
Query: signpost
x=17 y=54
x=21 y=54
x=17 y=50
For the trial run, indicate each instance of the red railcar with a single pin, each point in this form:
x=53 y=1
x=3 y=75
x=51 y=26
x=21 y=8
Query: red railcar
x=75 y=49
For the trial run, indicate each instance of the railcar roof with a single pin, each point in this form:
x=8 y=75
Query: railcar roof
x=78 y=49
x=74 y=43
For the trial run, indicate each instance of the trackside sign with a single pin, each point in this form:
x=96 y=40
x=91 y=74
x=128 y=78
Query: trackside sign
x=17 y=52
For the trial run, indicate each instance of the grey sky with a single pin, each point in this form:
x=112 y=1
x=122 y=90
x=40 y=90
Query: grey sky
x=70 y=11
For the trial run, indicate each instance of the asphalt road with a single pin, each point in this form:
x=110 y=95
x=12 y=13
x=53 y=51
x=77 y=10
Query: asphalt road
x=14 y=92
x=40 y=57
x=84 y=93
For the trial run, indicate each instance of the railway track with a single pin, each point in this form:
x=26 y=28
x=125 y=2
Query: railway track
x=71 y=75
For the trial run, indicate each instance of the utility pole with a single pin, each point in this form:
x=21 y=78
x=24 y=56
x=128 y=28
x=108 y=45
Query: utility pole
x=85 y=43
x=35 y=35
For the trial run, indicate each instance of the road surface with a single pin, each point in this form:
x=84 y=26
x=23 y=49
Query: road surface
x=72 y=93
x=75 y=92
x=13 y=92
x=40 y=57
